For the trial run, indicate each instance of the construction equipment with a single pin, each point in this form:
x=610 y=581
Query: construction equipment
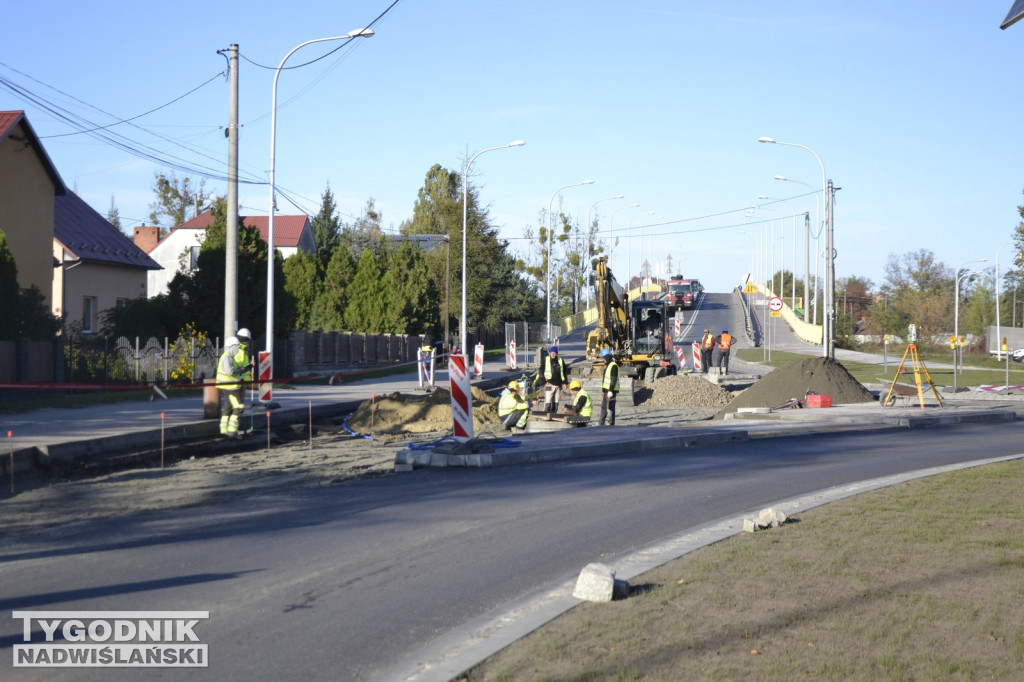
x=636 y=332
x=680 y=292
x=919 y=370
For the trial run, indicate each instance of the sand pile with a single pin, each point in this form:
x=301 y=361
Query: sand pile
x=817 y=375
x=682 y=390
x=402 y=413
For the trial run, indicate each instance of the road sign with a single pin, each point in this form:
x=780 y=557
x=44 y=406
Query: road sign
x=750 y=288
x=775 y=304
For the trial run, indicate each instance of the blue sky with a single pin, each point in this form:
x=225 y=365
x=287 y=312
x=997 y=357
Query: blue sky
x=913 y=108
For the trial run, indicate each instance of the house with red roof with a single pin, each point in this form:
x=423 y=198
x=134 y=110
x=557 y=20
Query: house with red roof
x=98 y=267
x=178 y=249
x=29 y=183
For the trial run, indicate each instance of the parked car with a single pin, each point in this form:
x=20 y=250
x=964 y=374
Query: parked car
x=1017 y=355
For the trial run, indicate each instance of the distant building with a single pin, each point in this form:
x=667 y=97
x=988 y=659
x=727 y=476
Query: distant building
x=96 y=267
x=178 y=249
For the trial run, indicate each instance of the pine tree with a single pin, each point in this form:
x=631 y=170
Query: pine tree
x=365 y=309
x=326 y=228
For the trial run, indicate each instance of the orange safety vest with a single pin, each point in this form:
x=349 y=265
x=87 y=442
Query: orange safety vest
x=726 y=341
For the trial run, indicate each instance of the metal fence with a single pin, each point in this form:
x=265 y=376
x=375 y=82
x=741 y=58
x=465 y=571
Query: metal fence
x=103 y=360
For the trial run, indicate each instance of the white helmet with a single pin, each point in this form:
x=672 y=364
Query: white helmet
x=232 y=341
x=243 y=334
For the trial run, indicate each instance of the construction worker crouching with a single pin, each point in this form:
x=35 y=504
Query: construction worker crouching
x=554 y=376
x=513 y=409
x=234 y=369
x=582 y=405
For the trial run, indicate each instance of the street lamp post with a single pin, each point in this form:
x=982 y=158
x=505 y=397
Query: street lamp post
x=956 y=314
x=611 y=230
x=793 y=278
x=551 y=243
x=589 y=211
x=999 y=332
x=629 y=247
x=807 y=250
x=465 y=214
x=828 y=331
x=357 y=33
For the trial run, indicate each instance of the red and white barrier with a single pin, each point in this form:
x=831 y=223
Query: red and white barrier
x=681 y=356
x=478 y=360
x=697 y=365
x=511 y=355
x=678 y=325
x=266 y=385
x=462 y=398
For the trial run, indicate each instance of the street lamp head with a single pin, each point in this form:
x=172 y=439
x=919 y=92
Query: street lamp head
x=766 y=139
x=517 y=143
x=763 y=196
x=361 y=33
x=780 y=177
x=618 y=196
x=587 y=182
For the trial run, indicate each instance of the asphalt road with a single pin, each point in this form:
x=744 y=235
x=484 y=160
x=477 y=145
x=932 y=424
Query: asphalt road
x=340 y=583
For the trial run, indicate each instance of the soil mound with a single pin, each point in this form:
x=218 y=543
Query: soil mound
x=399 y=414
x=816 y=375
x=682 y=390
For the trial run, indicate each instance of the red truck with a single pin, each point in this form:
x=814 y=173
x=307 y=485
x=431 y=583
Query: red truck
x=679 y=293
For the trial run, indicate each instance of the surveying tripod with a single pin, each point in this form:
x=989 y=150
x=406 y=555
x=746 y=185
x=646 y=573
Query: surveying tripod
x=919 y=369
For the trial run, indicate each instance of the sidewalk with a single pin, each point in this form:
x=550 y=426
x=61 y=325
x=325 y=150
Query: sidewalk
x=40 y=436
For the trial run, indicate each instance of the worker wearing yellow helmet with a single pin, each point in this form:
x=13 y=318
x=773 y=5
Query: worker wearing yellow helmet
x=513 y=409
x=581 y=405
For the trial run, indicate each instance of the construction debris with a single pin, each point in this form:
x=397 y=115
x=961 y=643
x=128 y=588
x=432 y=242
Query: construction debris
x=766 y=518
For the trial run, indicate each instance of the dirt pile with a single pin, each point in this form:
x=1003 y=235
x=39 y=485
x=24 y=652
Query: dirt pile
x=399 y=414
x=824 y=376
x=682 y=390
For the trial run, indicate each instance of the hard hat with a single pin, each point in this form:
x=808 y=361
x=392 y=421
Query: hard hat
x=575 y=385
x=243 y=334
x=605 y=352
x=514 y=385
x=725 y=331
x=231 y=341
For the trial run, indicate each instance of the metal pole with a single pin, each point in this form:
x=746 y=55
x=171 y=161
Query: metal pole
x=231 y=227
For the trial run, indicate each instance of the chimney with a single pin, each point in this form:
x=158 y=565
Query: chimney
x=146 y=237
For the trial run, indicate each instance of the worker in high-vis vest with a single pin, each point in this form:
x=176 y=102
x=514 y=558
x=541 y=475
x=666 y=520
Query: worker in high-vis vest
x=609 y=388
x=234 y=369
x=581 y=405
x=707 y=346
x=723 y=342
x=513 y=408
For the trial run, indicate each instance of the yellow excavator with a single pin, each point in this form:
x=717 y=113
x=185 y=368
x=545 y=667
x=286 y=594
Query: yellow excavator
x=636 y=332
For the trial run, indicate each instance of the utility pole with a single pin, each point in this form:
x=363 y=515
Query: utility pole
x=830 y=273
x=231 y=229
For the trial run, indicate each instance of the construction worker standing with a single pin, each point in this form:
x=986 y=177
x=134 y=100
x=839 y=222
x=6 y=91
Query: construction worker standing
x=723 y=342
x=554 y=376
x=233 y=369
x=582 y=405
x=609 y=388
x=513 y=409
x=707 y=345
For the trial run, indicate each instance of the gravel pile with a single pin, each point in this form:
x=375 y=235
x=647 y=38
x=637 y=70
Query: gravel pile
x=682 y=390
x=824 y=376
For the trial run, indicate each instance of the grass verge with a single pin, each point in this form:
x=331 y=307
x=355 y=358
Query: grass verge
x=919 y=581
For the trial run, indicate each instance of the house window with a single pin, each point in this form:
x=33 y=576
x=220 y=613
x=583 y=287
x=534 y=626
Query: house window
x=88 y=314
x=193 y=258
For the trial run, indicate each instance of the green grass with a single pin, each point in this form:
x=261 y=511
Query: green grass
x=977 y=369
x=918 y=581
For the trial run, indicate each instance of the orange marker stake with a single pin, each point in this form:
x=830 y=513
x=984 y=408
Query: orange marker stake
x=10 y=442
x=268 y=430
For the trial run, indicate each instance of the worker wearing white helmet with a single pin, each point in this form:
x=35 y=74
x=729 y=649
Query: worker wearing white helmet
x=234 y=369
x=513 y=409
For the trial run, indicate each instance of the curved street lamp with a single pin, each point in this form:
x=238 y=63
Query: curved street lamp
x=828 y=333
x=589 y=211
x=357 y=33
x=465 y=205
x=551 y=243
